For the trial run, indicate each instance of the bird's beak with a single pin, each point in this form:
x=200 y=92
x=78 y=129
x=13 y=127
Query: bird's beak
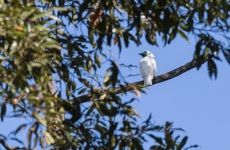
x=142 y=54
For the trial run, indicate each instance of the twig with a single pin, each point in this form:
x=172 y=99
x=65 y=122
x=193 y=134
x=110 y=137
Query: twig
x=5 y=145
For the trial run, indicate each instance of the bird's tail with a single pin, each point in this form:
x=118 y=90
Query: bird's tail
x=148 y=81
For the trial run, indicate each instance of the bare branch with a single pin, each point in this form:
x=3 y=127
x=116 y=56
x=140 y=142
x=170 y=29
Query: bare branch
x=7 y=147
x=161 y=78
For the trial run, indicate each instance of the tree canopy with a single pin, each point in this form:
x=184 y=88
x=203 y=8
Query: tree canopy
x=52 y=51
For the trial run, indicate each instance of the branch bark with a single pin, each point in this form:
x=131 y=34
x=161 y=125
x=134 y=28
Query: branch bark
x=158 y=79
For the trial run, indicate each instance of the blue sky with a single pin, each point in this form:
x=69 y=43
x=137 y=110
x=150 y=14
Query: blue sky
x=191 y=101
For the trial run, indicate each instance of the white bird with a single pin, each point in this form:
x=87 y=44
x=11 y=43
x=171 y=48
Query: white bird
x=148 y=67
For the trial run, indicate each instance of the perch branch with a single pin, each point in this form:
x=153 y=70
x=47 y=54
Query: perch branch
x=161 y=78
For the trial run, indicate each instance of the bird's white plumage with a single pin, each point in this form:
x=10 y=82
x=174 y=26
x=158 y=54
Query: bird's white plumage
x=148 y=68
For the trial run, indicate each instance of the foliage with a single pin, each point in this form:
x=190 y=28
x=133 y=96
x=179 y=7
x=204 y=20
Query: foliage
x=52 y=50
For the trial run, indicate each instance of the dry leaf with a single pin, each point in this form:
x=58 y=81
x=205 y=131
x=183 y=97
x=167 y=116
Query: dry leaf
x=115 y=39
x=18 y=28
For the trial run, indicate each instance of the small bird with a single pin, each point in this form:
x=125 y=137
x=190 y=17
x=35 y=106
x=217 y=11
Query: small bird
x=148 y=67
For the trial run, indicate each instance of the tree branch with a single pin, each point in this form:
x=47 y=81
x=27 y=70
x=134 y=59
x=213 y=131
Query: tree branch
x=158 y=79
x=7 y=147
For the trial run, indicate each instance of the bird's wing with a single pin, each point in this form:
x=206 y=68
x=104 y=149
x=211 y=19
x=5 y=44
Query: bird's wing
x=154 y=65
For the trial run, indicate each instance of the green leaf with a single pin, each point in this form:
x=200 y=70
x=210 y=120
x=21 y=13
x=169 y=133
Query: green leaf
x=90 y=110
x=156 y=147
x=126 y=38
x=183 y=35
x=190 y=21
x=135 y=112
x=54 y=17
x=103 y=96
x=97 y=60
x=147 y=121
x=172 y=35
x=157 y=139
x=82 y=91
x=38 y=15
x=115 y=72
x=3 y=111
x=25 y=14
x=198 y=49
x=102 y=130
x=74 y=86
x=48 y=137
x=227 y=55
x=192 y=146
x=113 y=141
x=175 y=140
x=168 y=125
x=91 y=37
x=60 y=8
x=106 y=78
x=40 y=119
x=212 y=69
x=119 y=43
x=150 y=37
x=182 y=143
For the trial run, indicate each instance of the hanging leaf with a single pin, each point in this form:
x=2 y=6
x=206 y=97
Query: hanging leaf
x=90 y=110
x=115 y=72
x=126 y=38
x=102 y=130
x=40 y=118
x=97 y=60
x=172 y=35
x=48 y=137
x=190 y=22
x=192 y=146
x=3 y=111
x=119 y=44
x=106 y=78
x=135 y=113
x=89 y=65
x=115 y=40
x=183 y=35
x=212 y=69
x=91 y=37
x=227 y=54
x=157 y=139
x=182 y=143
x=150 y=37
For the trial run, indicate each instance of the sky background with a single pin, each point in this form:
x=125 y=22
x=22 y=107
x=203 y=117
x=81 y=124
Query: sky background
x=192 y=101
